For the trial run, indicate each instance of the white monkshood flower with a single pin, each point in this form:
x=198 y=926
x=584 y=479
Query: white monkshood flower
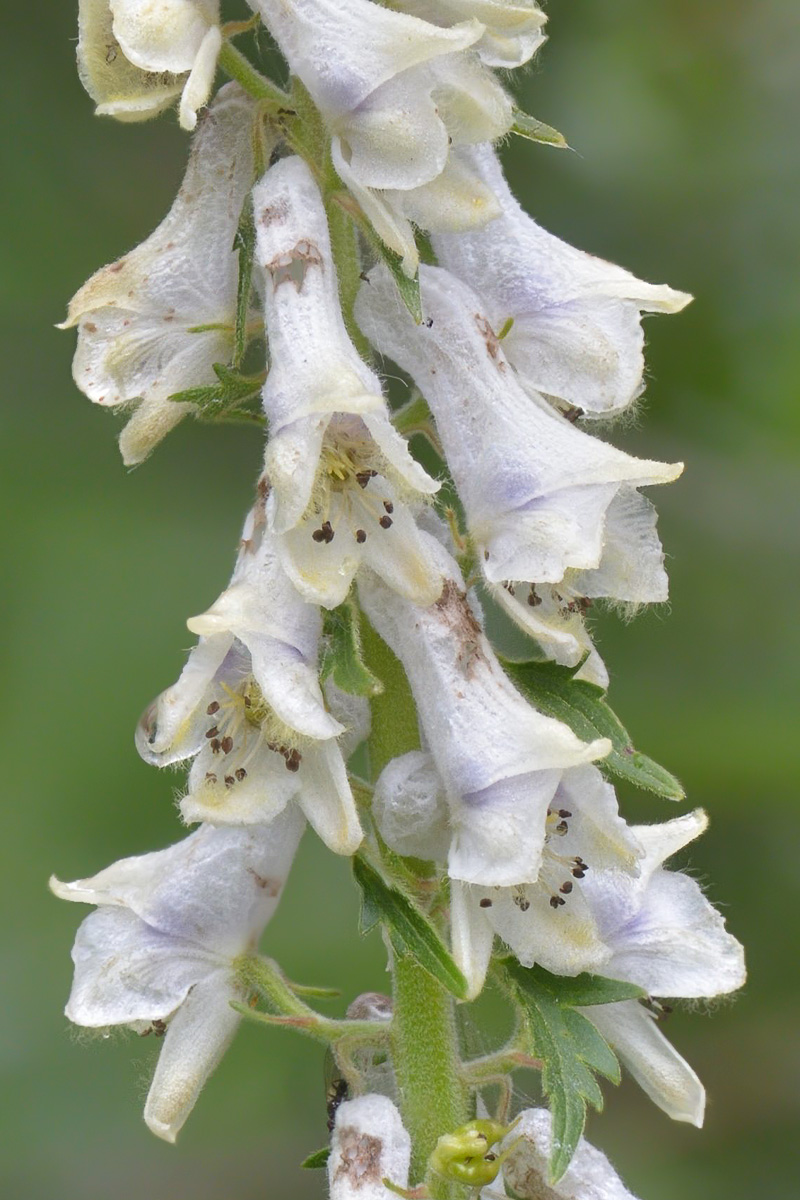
x=500 y=761
x=159 y=953
x=577 y=334
x=547 y=921
x=154 y=322
x=514 y=29
x=396 y=92
x=248 y=707
x=590 y=1176
x=545 y=502
x=665 y=936
x=135 y=57
x=369 y=1144
x=339 y=473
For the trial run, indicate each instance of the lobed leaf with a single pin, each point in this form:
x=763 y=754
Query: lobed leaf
x=410 y=931
x=233 y=397
x=245 y=243
x=569 y=1046
x=554 y=690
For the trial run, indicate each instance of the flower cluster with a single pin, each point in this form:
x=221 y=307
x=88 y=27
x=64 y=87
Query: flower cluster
x=296 y=236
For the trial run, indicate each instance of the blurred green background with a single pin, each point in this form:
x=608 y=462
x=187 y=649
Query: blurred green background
x=684 y=118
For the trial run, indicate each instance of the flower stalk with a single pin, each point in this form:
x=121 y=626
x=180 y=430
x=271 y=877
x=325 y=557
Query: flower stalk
x=347 y=678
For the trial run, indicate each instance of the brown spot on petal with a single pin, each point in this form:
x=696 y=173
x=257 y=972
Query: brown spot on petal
x=360 y=1161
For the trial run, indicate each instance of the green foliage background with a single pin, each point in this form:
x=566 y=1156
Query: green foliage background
x=684 y=119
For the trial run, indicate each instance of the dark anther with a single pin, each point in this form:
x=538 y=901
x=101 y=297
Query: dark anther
x=229 y=781
x=240 y=773
x=215 y=745
x=361 y=536
x=387 y=504
x=363 y=477
x=213 y=707
x=564 y=812
x=211 y=777
x=578 y=872
x=557 y=901
x=227 y=745
x=485 y=903
x=293 y=760
x=562 y=827
x=212 y=732
x=385 y=522
x=566 y=888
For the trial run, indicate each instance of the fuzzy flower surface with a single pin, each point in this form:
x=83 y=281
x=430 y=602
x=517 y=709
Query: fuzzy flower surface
x=158 y=954
x=248 y=708
x=369 y=1144
x=500 y=760
x=154 y=322
x=396 y=93
x=342 y=481
x=546 y=504
x=590 y=1176
x=576 y=335
x=136 y=57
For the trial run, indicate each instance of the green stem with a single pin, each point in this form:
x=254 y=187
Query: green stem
x=234 y=63
x=433 y=1100
x=394 y=716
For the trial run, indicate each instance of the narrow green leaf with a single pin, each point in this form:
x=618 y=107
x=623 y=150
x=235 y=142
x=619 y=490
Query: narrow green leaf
x=536 y=131
x=245 y=244
x=554 y=690
x=568 y=1044
x=233 y=397
x=317 y=1160
x=342 y=657
x=410 y=931
x=408 y=287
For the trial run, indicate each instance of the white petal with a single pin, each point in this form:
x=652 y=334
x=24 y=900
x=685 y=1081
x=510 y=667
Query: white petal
x=127 y=971
x=454 y=201
x=410 y=809
x=219 y=794
x=665 y=838
x=162 y=35
x=535 y=489
x=136 y=316
x=471 y=936
x=677 y=944
x=201 y=78
x=513 y=30
x=264 y=611
x=656 y=1066
x=343 y=50
x=396 y=138
x=327 y=801
x=590 y=1176
x=173 y=726
x=322 y=572
x=499 y=831
x=195 y=1041
x=216 y=889
x=499 y=759
x=384 y=211
x=576 y=333
x=401 y=556
x=118 y=88
x=632 y=563
x=353 y=713
x=369 y=1144
x=563 y=940
x=315 y=367
x=471 y=102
